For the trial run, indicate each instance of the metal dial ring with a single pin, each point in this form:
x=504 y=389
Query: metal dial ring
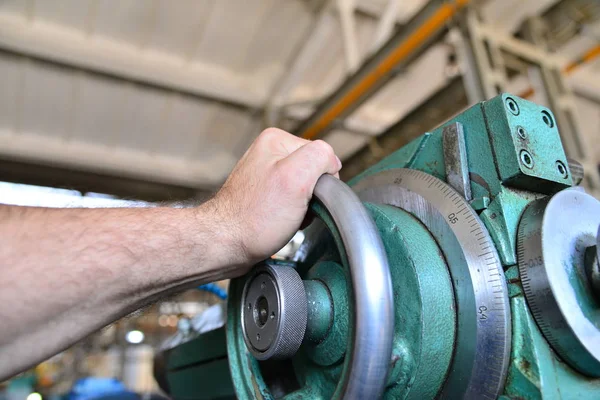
x=553 y=236
x=482 y=348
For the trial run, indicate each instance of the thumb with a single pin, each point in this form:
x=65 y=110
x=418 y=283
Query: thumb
x=305 y=165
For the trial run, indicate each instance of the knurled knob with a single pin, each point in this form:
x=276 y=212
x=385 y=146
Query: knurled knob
x=274 y=312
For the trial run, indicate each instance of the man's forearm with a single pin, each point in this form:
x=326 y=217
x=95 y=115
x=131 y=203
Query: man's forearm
x=69 y=272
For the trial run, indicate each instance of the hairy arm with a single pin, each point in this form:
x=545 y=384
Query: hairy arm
x=65 y=273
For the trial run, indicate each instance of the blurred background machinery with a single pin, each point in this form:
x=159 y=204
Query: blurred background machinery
x=109 y=103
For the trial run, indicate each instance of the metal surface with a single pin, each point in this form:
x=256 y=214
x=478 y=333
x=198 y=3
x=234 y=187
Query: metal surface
x=463 y=326
x=527 y=150
x=553 y=237
x=424 y=303
x=535 y=371
x=274 y=312
x=320 y=310
x=177 y=370
x=367 y=351
x=483 y=343
x=372 y=287
x=423 y=300
x=455 y=159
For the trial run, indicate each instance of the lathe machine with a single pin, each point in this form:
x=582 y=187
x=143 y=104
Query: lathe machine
x=464 y=265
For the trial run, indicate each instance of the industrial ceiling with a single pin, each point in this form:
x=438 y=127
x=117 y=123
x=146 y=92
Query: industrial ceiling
x=134 y=93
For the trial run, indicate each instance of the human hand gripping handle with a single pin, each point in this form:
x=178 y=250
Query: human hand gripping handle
x=266 y=197
x=66 y=273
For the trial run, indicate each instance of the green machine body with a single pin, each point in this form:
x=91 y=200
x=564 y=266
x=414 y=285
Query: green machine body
x=485 y=283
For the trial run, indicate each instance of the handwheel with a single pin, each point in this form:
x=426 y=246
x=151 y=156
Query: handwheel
x=272 y=311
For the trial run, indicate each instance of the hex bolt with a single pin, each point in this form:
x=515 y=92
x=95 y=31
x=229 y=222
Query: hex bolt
x=512 y=106
x=562 y=170
x=526 y=159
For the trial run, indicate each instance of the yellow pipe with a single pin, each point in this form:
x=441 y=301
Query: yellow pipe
x=588 y=56
x=404 y=49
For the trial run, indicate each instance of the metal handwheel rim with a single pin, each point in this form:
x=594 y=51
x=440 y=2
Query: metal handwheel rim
x=364 y=371
x=372 y=285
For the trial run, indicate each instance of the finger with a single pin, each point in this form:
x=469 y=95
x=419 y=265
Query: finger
x=304 y=166
x=279 y=142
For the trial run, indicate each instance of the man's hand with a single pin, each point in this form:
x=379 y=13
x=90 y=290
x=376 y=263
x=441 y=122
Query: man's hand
x=67 y=273
x=265 y=199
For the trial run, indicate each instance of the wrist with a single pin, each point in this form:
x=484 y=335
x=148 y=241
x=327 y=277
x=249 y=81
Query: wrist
x=221 y=234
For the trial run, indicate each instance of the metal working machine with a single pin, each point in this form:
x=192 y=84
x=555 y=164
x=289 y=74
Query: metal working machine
x=464 y=265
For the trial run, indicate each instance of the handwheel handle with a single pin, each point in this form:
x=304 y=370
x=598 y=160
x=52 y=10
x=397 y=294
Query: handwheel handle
x=274 y=301
x=372 y=285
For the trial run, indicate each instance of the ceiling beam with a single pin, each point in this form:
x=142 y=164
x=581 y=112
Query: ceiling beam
x=129 y=163
x=386 y=24
x=78 y=49
x=350 y=40
x=304 y=56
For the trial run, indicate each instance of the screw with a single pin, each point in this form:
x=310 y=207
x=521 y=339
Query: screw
x=526 y=159
x=512 y=106
x=521 y=132
x=547 y=118
x=562 y=170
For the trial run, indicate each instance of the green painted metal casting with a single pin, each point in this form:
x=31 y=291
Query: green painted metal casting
x=514 y=156
x=424 y=302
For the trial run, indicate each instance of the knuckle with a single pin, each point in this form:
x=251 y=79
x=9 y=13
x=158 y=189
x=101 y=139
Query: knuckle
x=267 y=135
x=322 y=149
x=323 y=146
x=270 y=133
x=325 y=151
